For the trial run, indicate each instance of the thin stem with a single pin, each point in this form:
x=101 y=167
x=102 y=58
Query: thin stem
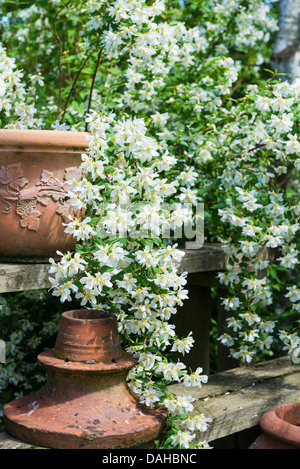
x=240 y=81
x=73 y=87
x=59 y=55
x=93 y=84
x=257 y=147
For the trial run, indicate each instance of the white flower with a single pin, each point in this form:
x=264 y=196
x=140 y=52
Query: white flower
x=150 y=396
x=59 y=126
x=183 y=439
x=170 y=370
x=81 y=230
x=64 y=291
x=281 y=104
x=128 y=283
x=172 y=255
x=103 y=280
x=234 y=323
x=231 y=303
x=76 y=264
x=181 y=404
x=249 y=248
x=265 y=343
x=226 y=339
x=228 y=277
x=195 y=379
x=147 y=257
x=183 y=345
x=149 y=360
x=198 y=422
x=243 y=354
x=289 y=260
x=250 y=318
x=282 y=124
x=249 y=336
x=254 y=284
x=293 y=294
x=292 y=145
x=273 y=241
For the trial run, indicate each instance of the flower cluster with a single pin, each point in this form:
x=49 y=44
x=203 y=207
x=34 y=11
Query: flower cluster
x=17 y=108
x=263 y=218
x=120 y=268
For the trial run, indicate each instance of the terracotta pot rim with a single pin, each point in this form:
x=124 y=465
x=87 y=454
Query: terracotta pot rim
x=46 y=140
x=87 y=315
x=278 y=423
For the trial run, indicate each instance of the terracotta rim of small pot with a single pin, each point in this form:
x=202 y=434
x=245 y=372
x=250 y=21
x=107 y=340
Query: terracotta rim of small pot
x=282 y=423
x=87 y=315
x=46 y=140
x=88 y=335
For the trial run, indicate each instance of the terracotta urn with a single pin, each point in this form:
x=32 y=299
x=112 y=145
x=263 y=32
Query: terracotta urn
x=281 y=428
x=35 y=166
x=86 y=403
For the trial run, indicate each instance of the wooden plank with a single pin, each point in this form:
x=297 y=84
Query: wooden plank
x=239 y=411
x=8 y=442
x=236 y=379
x=236 y=399
x=21 y=277
x=210 y=258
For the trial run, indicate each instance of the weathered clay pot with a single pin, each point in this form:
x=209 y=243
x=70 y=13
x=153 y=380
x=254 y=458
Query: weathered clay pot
x=86 y=404
x=85 y=336
x=281 y=427
x=34 y=167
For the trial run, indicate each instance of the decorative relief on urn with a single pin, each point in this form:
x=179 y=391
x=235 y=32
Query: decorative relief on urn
x=28 y=200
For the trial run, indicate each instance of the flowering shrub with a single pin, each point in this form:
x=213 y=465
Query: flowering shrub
x=180 y=113
x=260 y=211
x=119 y=269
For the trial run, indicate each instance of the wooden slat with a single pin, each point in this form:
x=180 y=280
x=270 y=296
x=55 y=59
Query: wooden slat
x=205 y=259
x=22 y=277
x=8 y=442
x=236 y=399
x=210 y=258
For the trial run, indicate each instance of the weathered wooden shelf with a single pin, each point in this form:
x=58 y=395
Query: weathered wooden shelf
x=20 y=277
x=210 y=259
x=235 y=399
